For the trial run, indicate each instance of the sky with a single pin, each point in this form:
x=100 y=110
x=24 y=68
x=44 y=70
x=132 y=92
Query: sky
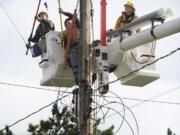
x=18 y=68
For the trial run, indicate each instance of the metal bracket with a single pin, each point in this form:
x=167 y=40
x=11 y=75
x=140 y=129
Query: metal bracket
x=122 y=32
x=153 y=25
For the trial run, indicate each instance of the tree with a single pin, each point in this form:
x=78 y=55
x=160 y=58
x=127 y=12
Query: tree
x=62 y=123
x=97 y=131
x=7 y=131
x=169 y=132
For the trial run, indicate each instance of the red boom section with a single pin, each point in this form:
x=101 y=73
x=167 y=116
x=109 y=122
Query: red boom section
x=103 y=22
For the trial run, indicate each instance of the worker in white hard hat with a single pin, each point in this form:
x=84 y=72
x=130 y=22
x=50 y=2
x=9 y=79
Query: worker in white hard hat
x=127 y=16
x=44 y=26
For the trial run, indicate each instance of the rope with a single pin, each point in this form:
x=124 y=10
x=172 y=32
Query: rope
x=61 y=25
x=77 y=4
x=146 y=60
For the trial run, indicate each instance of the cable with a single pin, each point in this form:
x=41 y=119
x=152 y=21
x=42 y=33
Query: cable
x=123 y=111
x=11 y=20
x=118 y=114
x=146 y=100
x=124 y=118
x=122 y=103
x=20 y=120
x=149 y=99
x=149 y=55
x=155 y=97
x=31 y=87
x=127 y=75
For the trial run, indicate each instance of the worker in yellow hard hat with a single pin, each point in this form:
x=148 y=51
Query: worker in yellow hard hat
x=42 y=15
x=126 y=16
x=44 y=26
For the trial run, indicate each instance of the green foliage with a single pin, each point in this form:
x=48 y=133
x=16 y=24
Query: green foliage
x=97 y=131
x=62 y=123
x=169 y=132
x=7 y=131
x=108 y=131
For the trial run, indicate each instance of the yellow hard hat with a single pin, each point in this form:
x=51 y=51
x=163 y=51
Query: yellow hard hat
x=42 y=13
x=130 y=4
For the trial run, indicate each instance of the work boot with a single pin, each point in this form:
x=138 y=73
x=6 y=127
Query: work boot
x=76 y=81
x=75 y=91
x=76 y=77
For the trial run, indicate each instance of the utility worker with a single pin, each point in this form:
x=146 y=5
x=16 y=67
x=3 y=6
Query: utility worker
x=127 y=16
x=44 y=27
x=74 y=53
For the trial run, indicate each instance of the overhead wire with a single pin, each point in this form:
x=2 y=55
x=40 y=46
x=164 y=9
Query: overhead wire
x=129 y=108
x=149 y=99
x=39 y=88
x=146 y=100
x=143 y=100
x=115 y=102
x=117 y=112
x=132 y=115
x=124 y=110
x=154 y=97
x=152 y=101
x=32 y=87
x=12 y=22
x=33 y=113
x=121 y=103
x=123 y=116
x=149 y=56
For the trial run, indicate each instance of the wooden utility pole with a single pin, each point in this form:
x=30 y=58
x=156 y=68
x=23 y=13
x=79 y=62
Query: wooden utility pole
x=85 y=92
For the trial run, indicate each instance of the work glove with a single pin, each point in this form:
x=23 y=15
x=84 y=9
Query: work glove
x=30 y=39
x=37 y=18
x=109 y=30
x=61 y=10
x=28 y=46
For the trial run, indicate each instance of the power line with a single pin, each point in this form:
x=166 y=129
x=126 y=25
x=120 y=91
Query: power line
x=150 y=99
x=153 y=101
x=117 y=112
x=11 y=20
x=145 y=100
x=157 y=96
x=31 y=87
x=121 y=103
x=20 y=120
